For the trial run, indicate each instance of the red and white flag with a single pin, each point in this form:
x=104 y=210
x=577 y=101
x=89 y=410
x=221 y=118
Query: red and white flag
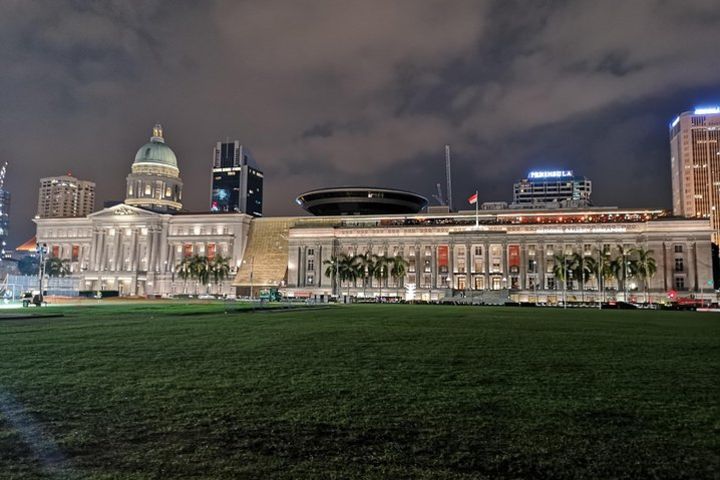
x=473 y=198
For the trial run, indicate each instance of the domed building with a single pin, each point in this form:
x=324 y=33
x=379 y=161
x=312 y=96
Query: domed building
x=154 y=182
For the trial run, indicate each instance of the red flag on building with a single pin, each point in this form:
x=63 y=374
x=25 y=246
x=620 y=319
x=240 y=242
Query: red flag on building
x=473 y=198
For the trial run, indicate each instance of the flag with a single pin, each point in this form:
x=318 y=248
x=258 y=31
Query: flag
x=473 y=198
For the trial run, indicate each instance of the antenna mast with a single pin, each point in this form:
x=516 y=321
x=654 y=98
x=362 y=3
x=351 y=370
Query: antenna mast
x=439 y=195
x=449 y=178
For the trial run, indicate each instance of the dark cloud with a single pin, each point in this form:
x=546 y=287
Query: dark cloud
x=344 y=92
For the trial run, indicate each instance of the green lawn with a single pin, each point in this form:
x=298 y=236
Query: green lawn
x=172 y=391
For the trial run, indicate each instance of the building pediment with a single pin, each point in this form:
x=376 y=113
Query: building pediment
x=123 y=211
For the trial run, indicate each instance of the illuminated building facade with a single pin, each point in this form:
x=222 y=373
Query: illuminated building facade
x=237 y=183
x=552 y=189
x=510 y=255
x=134 y=248
x=695 y=165
x=64 y=197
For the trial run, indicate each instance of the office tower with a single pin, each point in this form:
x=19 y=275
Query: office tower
x=237 y=183
x=695 y=165
x=65 y=196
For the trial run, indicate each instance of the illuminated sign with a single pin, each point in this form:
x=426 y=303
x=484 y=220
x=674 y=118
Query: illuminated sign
x=706 y=110
x=675 y=122
x=550 y=174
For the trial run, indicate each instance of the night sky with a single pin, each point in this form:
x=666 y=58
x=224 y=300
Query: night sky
x=353 y=92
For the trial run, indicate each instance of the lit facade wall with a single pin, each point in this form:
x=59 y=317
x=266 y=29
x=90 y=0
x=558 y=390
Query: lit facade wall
x=450 y=254
x=136 y=251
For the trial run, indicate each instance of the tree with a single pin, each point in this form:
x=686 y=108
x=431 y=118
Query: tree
x=560 y=270
x=398 y=269
x=200 y=269
x=332 y=270
x=364 y=265
x=56 y=267
x=349 y=270
x=623 y=268
x=184 y=271
x=219 y=268
x=645 y=266
x=583 y=268
x=380 y=270
x=28 y=265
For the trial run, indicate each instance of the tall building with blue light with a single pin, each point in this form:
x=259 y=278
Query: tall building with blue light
x=695 y=165
x=237 y=182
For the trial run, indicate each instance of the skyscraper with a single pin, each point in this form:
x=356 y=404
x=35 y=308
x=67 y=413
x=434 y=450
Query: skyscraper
x=695 y=165
x=237 y=183
x=65 y=196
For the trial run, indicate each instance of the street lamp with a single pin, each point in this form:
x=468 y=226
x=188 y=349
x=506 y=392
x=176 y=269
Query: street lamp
x=42 y=251
x=252 y=265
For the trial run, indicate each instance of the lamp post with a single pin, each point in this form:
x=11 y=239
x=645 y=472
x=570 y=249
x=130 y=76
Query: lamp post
x=42 y=252
x=625 y=280
x=601 y=286
x=565 y=282
x=252 y=265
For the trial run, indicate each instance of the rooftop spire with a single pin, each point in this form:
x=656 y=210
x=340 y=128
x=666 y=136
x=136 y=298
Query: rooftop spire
x=157 y=134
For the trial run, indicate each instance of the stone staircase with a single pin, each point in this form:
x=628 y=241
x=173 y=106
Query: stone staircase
x=266 y=254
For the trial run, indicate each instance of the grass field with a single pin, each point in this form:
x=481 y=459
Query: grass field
x=172 y=391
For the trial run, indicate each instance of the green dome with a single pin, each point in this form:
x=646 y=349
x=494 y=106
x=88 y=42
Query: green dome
x=156 y=151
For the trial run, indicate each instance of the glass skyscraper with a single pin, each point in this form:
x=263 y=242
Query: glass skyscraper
x=237 y=183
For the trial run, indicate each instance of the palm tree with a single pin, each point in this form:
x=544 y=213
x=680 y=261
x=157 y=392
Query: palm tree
x=349 y=271
x=398 y=269
x=380 y=270
x=199 y=269
x=184 y=271
x=56 y=267
x=332 y=270
x=560 y=271
x=582 y=268
x=623 y=267
x=645 y=266
x=365 y=266
x=219 y=268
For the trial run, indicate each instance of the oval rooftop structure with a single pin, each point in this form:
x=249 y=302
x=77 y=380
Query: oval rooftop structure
x=361 y=201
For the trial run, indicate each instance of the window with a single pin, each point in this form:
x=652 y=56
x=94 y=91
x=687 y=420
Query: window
x=310 y=280
x=551 y=283
x=549 y=249
x=678 y=248
x=679 y=283
x=310 y=252
x=478 y=250
x=679 y=265
x=311 y=264
x=148 y=190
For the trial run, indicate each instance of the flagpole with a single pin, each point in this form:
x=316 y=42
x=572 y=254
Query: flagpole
x=477 y=216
